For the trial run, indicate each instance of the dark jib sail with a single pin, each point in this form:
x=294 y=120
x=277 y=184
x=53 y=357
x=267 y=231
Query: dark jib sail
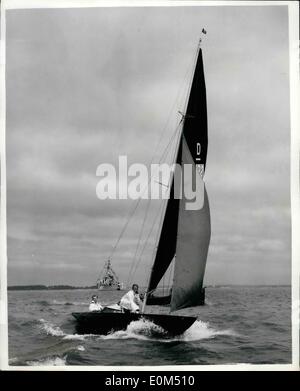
x=191 y=251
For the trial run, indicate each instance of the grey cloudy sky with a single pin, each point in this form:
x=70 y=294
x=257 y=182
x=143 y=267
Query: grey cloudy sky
x=87 y=85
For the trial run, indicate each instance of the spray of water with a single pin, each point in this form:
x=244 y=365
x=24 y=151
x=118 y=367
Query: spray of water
x=53 y=361
x=146 y=330
x=143 y=330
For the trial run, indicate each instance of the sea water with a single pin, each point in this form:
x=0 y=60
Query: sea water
x=237 y=325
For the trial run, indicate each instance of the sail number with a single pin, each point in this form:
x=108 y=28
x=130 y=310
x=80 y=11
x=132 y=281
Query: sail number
x=171 y=380
x=199 y=165
x=198 y=149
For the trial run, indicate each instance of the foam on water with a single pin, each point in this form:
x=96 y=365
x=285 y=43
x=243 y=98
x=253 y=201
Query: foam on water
x=13 y=360
x=146 y=330
x=50 y=329
x=50 y=361
x=56 y=331
x=79 y=337
x=202 y=330
x=140 y=329
x=143 y=330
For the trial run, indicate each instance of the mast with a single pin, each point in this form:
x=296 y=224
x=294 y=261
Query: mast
x=165 y=254
x=167 y=240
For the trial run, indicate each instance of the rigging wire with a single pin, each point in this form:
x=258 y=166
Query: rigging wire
x=139 y=240
x=164 y=205
x=158 y=143
x=158 y=214
x=146 y=241
x=178 y=130
x=141 y=233
x=138 y=201
x=171 y=272
x=140 y=237
x=175 y=154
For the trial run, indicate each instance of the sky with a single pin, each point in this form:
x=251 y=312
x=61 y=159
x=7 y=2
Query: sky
x=85 y=86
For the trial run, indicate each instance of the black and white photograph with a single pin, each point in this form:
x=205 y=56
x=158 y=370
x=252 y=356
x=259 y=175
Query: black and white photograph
x=148 y=185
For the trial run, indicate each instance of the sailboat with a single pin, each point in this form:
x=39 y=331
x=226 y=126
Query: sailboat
x=108 y=280
x=184 y=234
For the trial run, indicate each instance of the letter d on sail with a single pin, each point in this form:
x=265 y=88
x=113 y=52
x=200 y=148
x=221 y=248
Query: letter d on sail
x=192 y=182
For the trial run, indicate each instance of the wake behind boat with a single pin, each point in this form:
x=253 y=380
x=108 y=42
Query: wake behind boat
x=184 y=234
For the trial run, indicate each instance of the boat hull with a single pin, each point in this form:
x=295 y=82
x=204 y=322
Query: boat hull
x=106 y=322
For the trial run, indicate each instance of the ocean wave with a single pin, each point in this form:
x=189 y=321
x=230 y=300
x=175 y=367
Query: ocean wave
x=57 y=302
x=13 y=360
x=140 y=329
x=29 y=323
x=45 y=361
x=49 y=361
x=202 y=330
x=51 y=329
x=146 y=330
x=143 y=329
x=44 y=303
x=56 y=331
x=79 y=337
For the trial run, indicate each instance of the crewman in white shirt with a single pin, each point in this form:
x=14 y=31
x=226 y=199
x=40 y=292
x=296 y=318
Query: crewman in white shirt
x=131 y=300
x=95 y=306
